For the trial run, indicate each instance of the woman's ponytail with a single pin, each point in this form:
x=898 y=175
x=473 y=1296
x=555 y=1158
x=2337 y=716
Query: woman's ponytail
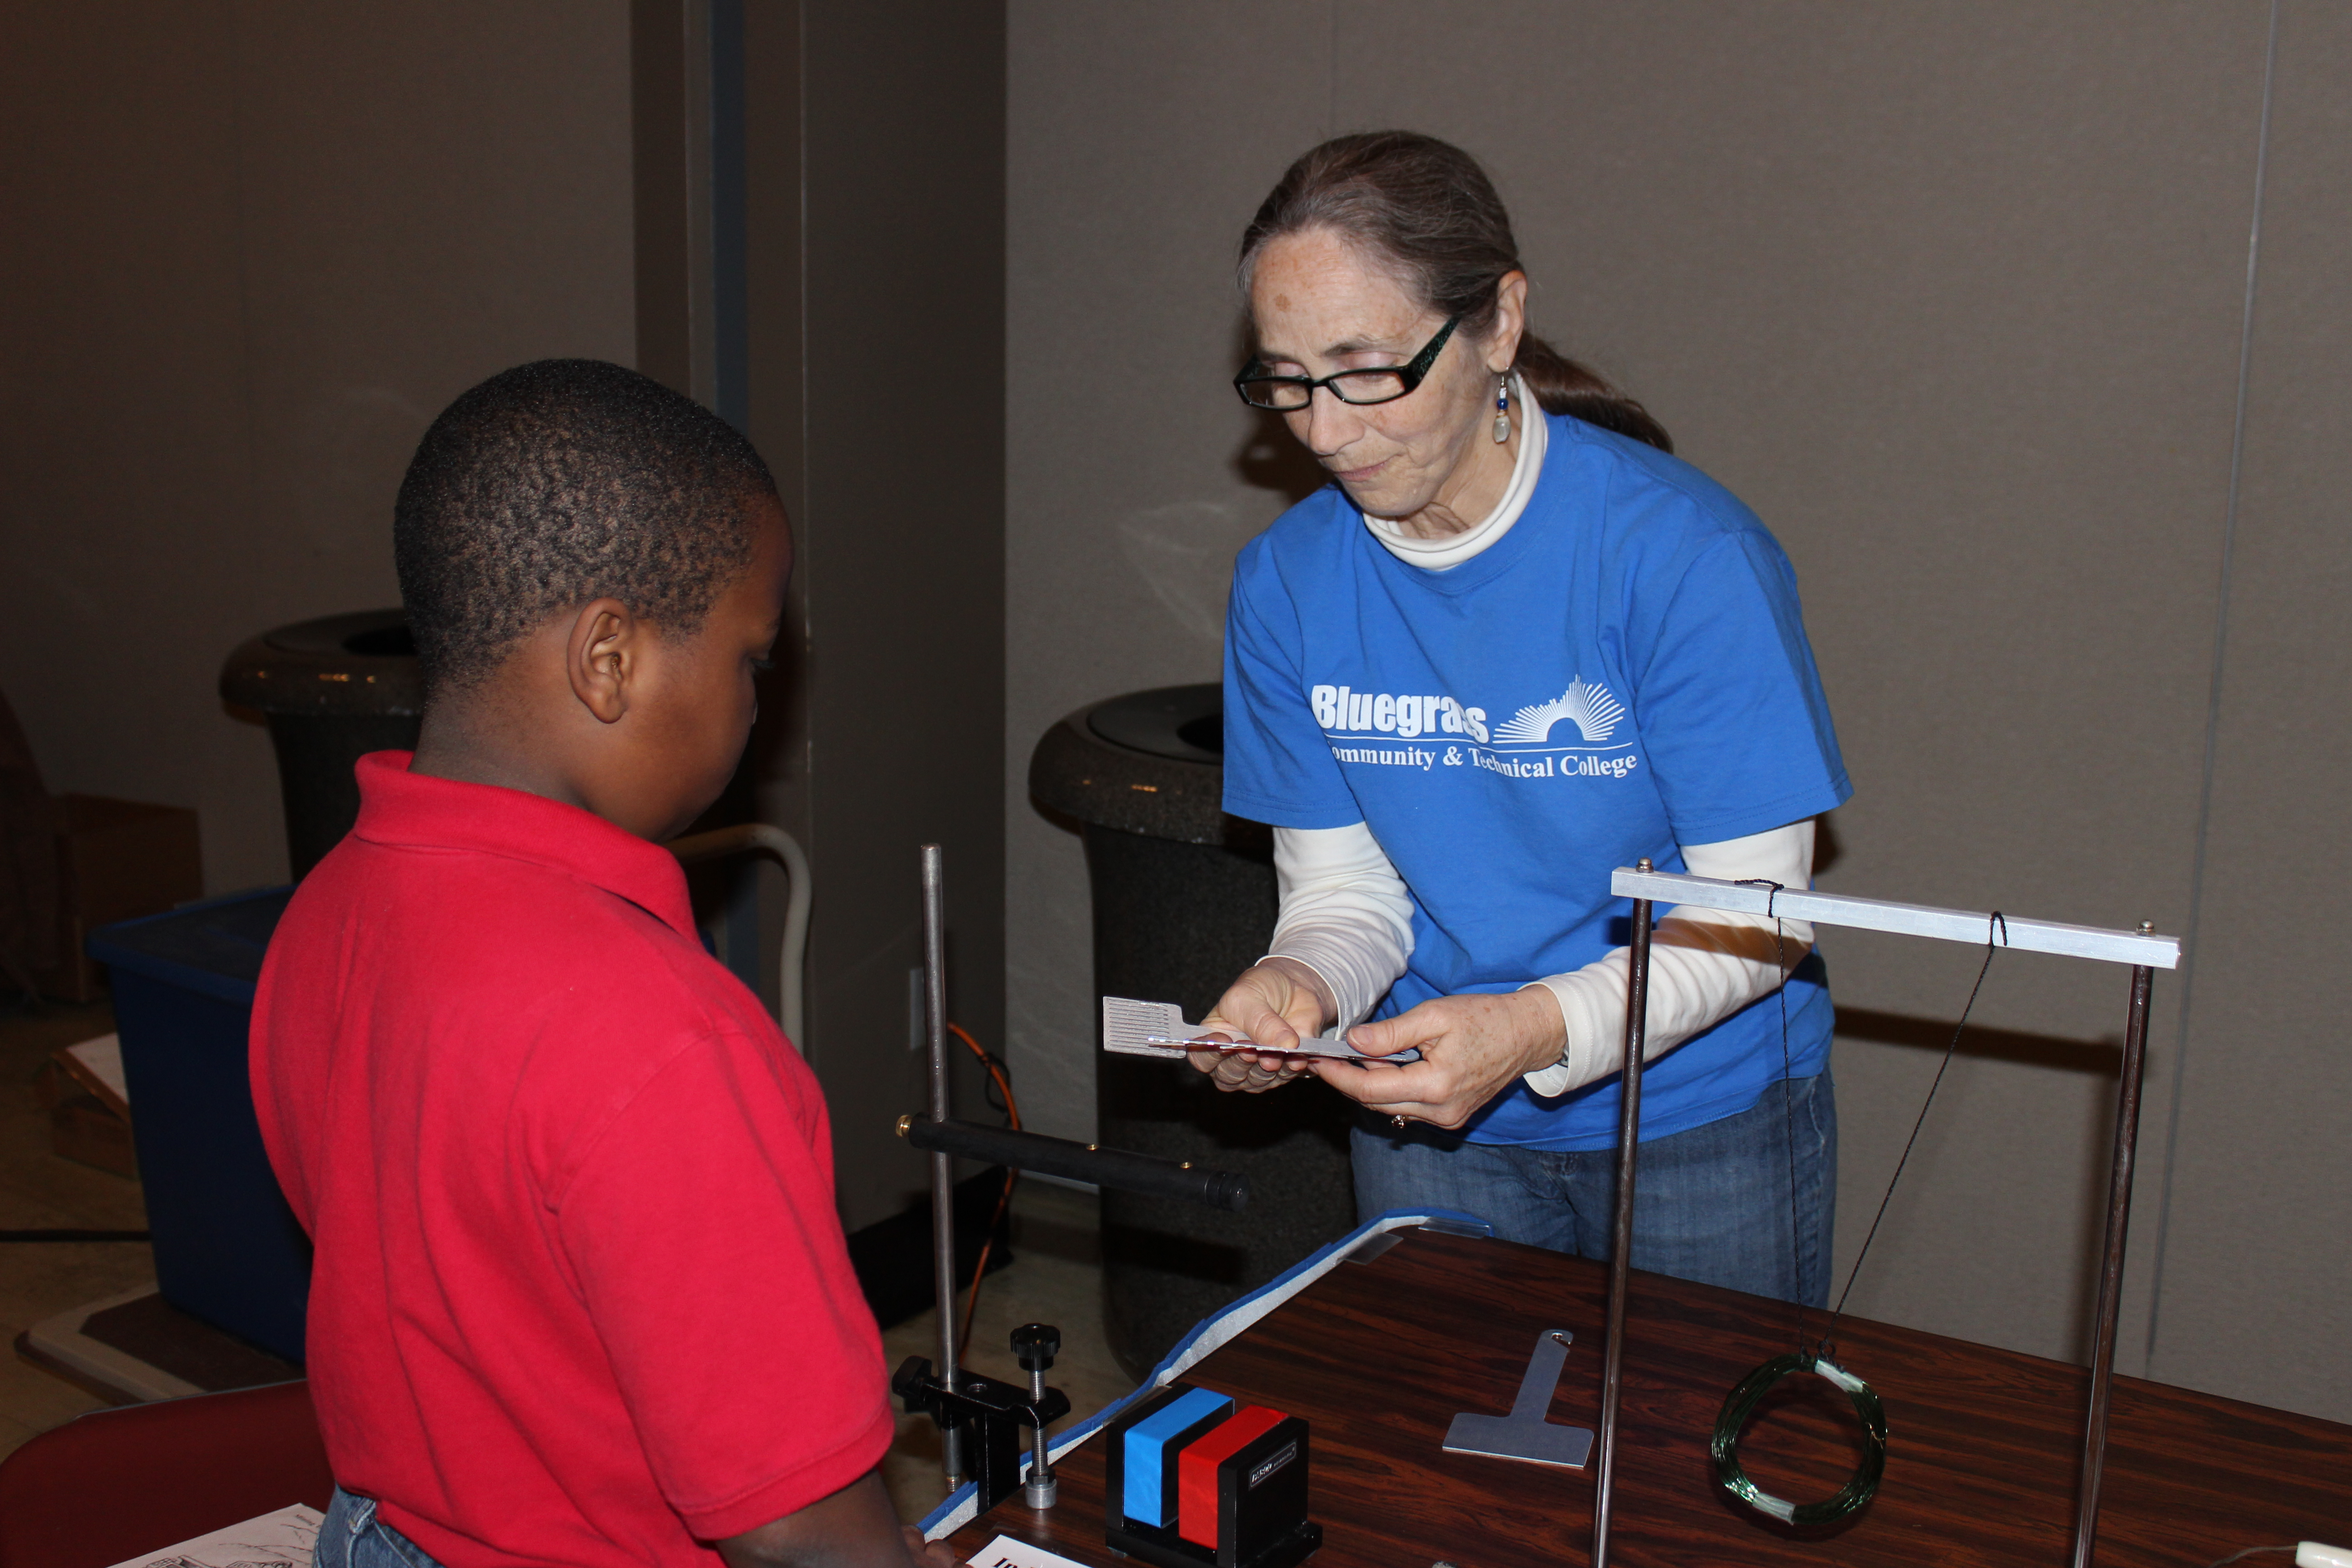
x=1564 y=387
x=1426 y=208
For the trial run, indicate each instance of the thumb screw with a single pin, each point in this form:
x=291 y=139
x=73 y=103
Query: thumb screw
x=1036 y=1344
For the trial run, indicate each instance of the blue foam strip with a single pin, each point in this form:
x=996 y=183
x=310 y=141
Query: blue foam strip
x=1147 y=1488
x=1109 y=1413
x=1073 y=1436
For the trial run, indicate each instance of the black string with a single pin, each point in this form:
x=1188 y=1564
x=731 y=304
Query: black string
x=1829 y=1338
x=1789 y=1109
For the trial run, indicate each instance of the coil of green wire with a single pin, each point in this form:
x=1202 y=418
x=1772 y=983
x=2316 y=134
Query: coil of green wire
x=1741 y=1404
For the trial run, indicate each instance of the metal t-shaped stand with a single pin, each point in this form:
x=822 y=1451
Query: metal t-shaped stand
x=1523 y=1434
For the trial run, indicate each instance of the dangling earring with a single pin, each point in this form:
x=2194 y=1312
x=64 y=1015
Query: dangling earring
x=1502 y=408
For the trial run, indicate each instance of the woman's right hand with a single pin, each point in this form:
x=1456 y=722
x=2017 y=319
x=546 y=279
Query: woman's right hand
x=1273 y=1004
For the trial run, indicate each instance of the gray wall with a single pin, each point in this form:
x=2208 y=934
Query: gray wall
x=1952 y=294
x=2257 y=1286
x=875 y=257
x=246 y=252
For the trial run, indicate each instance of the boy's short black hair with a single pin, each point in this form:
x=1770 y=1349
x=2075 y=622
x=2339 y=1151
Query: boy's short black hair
x=558 y=482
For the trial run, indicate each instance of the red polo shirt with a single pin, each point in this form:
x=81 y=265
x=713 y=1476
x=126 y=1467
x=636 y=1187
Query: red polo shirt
x=580 y=1295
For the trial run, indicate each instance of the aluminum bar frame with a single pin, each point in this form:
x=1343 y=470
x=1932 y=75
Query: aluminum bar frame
x=2133 y=947
x=2111 y=1266
x=2143 y=949
x=935 y=1035
x=1620 y=1233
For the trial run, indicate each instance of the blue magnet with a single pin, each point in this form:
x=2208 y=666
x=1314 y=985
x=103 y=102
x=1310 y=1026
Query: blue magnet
x=1152 y=1445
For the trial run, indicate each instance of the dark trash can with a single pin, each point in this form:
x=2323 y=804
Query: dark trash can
x=332 y=690
x=1184 y=900
x=227 y=1248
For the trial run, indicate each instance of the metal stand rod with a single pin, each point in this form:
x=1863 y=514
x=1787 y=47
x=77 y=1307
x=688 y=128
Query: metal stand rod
x=1621 y=1235
x=935 y=1034
x=2111 y=1268
x=1113 y=1168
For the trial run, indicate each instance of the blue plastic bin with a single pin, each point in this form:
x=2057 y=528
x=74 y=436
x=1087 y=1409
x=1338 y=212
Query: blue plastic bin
x=227 y=1248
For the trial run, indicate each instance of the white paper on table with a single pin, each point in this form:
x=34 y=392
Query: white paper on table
x=1006 y=1552
x=287 y=1539
x=1158 y=1030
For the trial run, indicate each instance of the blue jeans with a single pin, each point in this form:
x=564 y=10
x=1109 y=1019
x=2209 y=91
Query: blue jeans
x=353 y=1537
x=1711 y=1204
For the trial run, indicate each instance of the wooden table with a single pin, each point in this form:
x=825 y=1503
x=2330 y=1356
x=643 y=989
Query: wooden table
x=1983 y=1453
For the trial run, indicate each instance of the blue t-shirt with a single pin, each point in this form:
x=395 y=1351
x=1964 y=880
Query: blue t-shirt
x=1624 y=671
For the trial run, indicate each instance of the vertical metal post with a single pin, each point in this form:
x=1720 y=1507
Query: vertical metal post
x=1621 y=1235
x=2111 y=1266
x=935 y=1035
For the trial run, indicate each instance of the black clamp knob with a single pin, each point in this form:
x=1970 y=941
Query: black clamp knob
x=1037 y=1345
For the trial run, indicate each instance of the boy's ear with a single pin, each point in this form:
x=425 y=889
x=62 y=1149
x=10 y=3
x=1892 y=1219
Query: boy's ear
x=600 y=657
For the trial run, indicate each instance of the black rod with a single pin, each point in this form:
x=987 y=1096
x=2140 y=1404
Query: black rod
x=1113 y=1168
x=1620 y=1233
x=2111 y=1266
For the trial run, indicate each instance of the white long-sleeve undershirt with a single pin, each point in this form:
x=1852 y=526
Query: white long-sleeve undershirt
x=1345 y=913
x=1704 y=965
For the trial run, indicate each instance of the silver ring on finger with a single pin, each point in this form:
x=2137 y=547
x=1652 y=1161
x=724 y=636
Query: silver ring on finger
x=1399 y=1120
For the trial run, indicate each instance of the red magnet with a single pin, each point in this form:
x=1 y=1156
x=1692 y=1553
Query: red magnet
x=1197 y=1466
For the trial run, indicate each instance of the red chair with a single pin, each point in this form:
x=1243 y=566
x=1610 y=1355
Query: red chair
x=117 y=1484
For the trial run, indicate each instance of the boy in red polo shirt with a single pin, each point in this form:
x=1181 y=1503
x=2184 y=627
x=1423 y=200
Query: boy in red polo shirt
x=580 y=1295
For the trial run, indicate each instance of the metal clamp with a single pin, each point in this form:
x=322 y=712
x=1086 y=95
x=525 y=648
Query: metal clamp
x=986 y=1415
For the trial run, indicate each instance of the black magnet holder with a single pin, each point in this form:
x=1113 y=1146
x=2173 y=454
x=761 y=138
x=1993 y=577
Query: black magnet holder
x=991 y=1416
x=1114 y=1168
x=1262 y=1494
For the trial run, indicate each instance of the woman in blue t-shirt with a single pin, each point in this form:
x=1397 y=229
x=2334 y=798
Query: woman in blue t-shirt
x=1515 y=646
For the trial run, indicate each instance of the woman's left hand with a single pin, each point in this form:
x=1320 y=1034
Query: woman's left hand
x=1472 y=1047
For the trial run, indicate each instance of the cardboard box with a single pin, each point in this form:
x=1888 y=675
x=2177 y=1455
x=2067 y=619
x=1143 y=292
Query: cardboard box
x=81 y=1086
x=117 y=859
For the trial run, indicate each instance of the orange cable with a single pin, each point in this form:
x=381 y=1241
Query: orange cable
x=1003 y=1088
x=1013 y=1113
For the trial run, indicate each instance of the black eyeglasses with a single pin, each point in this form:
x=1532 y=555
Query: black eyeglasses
x=1290 y=393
